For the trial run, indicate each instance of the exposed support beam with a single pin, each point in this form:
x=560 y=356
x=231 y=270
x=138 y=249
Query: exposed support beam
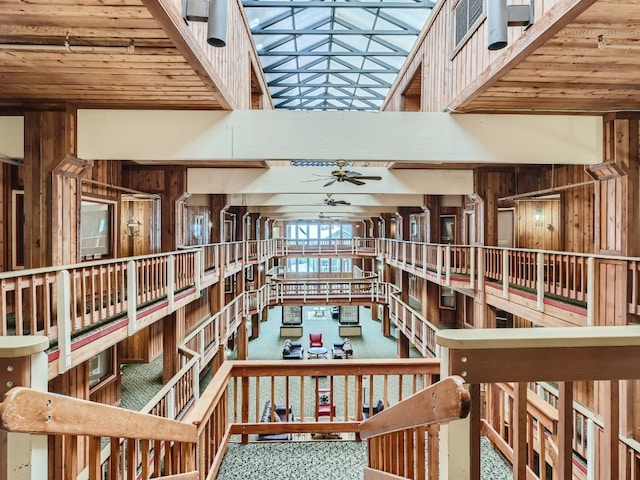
x=330 y=85
x=172 y=135
x=355 y=53
x=314 y=31
x=296 y=180
x=327 y=97
x=324 y=4
x=328 y=70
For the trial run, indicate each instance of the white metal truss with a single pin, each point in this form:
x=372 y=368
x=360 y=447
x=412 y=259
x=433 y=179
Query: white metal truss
x=333 y=54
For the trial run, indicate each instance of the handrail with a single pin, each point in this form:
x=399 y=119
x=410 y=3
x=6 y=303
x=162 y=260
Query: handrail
x=442 y=402
x=32 y=411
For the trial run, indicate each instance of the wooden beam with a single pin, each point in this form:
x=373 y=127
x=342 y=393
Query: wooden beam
x=172 y=135
x=519 y=428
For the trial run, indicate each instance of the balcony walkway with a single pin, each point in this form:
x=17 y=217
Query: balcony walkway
x=338 y=460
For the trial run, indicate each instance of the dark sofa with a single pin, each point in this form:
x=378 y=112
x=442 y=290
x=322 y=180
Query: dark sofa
x=281 y=413
x=377 y=408
x=292 y=350
x=342 y=349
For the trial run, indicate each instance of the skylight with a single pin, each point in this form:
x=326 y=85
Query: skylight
x=333 y=54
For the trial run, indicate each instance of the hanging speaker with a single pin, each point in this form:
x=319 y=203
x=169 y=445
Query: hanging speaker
x=497 y=19
x=217 y=24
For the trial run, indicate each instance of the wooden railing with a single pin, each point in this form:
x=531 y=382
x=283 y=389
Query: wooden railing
x=142 y=446
x=398 y=437
x=523 y=424
x=145 y=446
x=420 y=331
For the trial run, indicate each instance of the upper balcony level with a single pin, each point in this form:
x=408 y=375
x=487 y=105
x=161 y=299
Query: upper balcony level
x=110 y=300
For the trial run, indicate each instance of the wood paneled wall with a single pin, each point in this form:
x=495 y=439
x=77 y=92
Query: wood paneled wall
x=491 y=185
x=171 y=184
x=616 y=204
x=538 y=225
x=449 y=71
x=144 y=346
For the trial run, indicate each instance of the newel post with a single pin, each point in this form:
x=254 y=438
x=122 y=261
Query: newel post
x=456 y=457
x=23 y=363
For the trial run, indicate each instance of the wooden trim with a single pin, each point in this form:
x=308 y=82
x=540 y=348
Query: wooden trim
x=534 y=364
x=181 y=476
x=26 y=410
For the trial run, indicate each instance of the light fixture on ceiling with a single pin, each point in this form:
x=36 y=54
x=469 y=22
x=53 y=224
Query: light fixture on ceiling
x=133 y=227
x=500 y=16
x=69 y=48
x=214 y=12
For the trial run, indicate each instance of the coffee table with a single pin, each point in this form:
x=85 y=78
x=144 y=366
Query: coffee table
x=317 y=352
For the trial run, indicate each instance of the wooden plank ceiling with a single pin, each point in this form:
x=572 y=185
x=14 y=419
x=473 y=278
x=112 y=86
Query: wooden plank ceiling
x=573 y=70
x=119 y=57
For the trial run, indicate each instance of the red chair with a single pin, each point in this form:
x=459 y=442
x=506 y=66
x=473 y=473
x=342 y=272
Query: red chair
x=315 y=340
x=325 y=406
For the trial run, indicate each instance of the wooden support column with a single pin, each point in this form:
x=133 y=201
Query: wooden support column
x=23 y=363
x=403 y=345
x=170 y=360
x=51 y=202
x=242 y=342
x=609 y=458
x=565 y=430
x=475 y=415
x=386 y=321
x=519 y=429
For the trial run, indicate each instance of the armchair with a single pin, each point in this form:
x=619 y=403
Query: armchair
x=315 y=340
x=342 y=349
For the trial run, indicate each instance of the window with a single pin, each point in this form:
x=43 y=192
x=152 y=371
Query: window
x=96 y=221
x=101 y=367
x=467 y=14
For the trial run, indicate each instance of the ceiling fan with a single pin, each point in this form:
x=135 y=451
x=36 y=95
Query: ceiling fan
x=333 y=203
x=342 y=175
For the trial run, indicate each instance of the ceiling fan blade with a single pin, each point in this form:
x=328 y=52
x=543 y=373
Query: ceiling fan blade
x=330 y=182
x=354 y=181
x=351 y=173
x=376 y=177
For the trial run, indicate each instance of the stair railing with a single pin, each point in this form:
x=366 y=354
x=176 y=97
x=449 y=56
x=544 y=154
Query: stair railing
x=405 y=428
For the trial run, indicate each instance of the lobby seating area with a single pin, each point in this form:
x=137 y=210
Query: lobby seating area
x=292 y=350
x=280 y=414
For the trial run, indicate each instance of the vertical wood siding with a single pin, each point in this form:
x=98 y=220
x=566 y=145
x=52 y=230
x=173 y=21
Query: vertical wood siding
x=449 y=71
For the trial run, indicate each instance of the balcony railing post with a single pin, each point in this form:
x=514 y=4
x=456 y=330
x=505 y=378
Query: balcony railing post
x=23 y=363
x=540 y=280
x=438 y=262
x=591 y=289
x=447 y=265
x=505 y=274
x=132 y=296
x=455 y=438
x=472 y=267
x=481 y=268
x=199 y=269
x=171 y=282
x=63 y=301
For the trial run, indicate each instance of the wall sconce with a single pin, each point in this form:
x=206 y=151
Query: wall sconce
x=500 y=16
x=537 y=215
x=133 y=227
x=214 y=12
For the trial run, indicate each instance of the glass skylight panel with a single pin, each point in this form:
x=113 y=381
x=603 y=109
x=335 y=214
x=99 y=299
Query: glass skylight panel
x=309 y=17
x=337 y=56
